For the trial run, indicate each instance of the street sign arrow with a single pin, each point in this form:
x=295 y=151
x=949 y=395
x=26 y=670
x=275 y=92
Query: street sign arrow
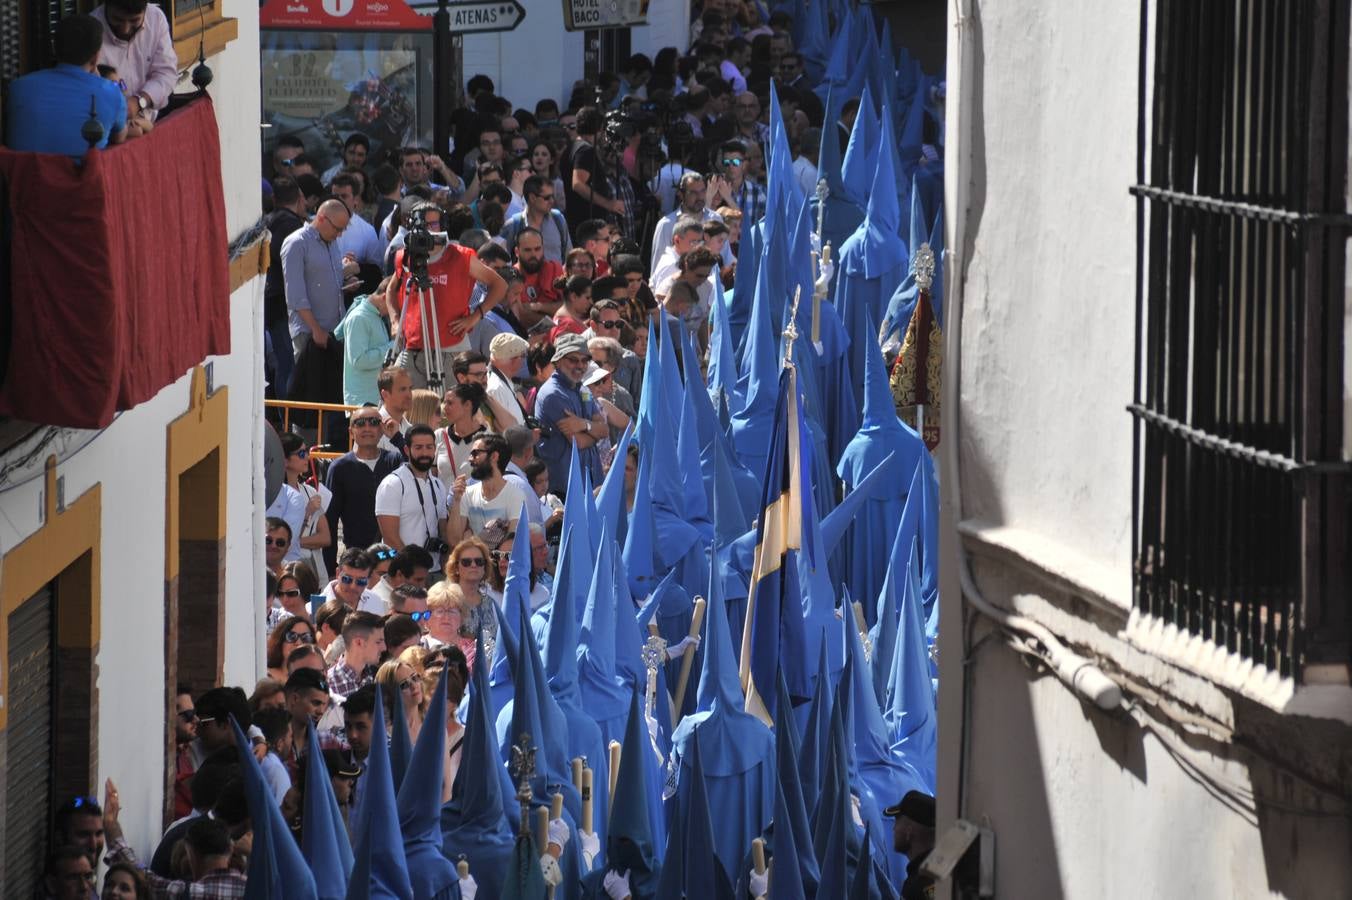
x=478 y=16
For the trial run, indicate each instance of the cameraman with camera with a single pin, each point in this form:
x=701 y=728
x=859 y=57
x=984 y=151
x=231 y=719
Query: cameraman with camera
x=429 y=299
x=410 y=503
x=590 y=195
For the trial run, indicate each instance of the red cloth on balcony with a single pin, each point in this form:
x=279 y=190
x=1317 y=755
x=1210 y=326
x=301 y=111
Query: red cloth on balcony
x=119 y=277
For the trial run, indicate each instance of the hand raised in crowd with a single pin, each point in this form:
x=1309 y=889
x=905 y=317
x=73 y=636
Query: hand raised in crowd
x=111 y=804
x=313 y=506
x=458 y=488
x=389 y=425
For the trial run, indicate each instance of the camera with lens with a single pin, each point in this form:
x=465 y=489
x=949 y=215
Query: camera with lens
x=420 y=243
x=619 y=128
x=436 y=546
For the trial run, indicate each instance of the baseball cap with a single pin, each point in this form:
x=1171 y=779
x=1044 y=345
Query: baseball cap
x=916 y=806
x=340 y=765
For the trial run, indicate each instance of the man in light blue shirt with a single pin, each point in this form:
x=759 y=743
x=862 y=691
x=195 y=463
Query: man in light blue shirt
x=48 y=109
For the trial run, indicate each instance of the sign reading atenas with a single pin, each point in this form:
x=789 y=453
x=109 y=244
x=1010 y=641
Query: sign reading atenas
x=579 y=15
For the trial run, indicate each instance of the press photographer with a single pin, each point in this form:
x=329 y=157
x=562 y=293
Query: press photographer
x=410 y=503
x=433 y=281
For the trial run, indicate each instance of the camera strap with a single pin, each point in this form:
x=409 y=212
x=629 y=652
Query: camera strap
x=422 y=504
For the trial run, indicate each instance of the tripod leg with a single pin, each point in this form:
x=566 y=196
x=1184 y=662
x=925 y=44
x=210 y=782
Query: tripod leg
x=428 y=336
x=436 y=340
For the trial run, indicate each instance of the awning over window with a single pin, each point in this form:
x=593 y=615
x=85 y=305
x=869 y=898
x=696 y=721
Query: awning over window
x=117 y=269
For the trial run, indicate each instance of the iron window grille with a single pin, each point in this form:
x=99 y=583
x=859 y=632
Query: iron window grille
x=1240 y=500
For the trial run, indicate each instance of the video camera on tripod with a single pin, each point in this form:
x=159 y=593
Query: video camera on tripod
x=419 y=244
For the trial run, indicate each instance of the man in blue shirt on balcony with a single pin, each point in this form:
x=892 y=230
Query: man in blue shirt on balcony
x=48 y=109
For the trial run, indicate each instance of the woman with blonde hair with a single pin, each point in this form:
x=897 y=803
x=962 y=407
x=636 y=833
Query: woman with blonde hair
x=395 y=675
x=425 y=408
x=446 y=622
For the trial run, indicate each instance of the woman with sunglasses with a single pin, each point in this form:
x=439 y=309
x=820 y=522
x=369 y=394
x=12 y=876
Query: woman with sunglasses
x=395 y=675
x=295 y=585
x=307 y=520
x=288 y=634
x=468 y=570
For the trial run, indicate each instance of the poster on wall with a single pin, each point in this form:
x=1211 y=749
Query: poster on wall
x=322 y=87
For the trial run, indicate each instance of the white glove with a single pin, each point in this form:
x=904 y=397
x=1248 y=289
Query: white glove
x=550 y=867
x=558 y=833
x=591 y=846
x=469 y=888
x=677 y=650
x=822 y=286
x=760 y=883
x=854 y=811
x=617 y=885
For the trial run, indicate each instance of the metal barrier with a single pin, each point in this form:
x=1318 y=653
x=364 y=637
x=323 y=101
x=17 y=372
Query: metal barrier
x=286 y=406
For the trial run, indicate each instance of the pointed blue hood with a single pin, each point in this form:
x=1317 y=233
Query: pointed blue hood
x=722 y=351
x=381 y=869
x=882 y=218
x=610 y=502
x=602 y=693
x=629 y=844
x=793 y=832
x=816 y=734
x=705 y=874
x=401 y=745
x=515 y=600
x=861 y=154
x=430 y=873
x=910 y=713
x=324 y=841
x=473 y=824
x=276 y=867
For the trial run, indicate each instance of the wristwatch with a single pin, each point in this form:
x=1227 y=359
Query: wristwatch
x=142 y=102
x=589 y=426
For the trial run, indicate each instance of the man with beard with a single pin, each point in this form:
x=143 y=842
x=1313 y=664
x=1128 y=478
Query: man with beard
x=493 y=497
x=410 y=504
x=541 y=298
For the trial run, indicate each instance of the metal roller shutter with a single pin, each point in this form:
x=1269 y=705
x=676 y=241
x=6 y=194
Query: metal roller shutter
x=28 y=745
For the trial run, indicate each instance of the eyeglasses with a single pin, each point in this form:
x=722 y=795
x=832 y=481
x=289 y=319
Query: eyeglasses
x=299 y=637
x=571 y=126
x=481 y=373
x=348 y=579
x=472 y=561
x=443 y=613
x=187 y=715
x=276 y=542
x=423 y=616
x=500 y=555
x=732 y=162
x=366 y=422
x=608 y=323
x=408 y=684
x=294 y=592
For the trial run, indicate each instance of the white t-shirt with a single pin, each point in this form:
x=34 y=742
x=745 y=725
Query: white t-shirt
x=477 y=510
x=501 y=391
x=453 y=455
x=315 y=557
x=420 y=504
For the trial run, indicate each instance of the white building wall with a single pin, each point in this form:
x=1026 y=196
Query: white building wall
x=1036 y=484
x=537 y=60
x=129 y=458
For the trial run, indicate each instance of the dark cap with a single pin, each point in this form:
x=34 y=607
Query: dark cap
x=307 y=680
x=916 y=806
x=340 y=765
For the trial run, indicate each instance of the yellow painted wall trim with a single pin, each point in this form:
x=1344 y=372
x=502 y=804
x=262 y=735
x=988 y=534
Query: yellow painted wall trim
x=64 y=537
x=250 y=264
x=191 y=437
x=212 y=39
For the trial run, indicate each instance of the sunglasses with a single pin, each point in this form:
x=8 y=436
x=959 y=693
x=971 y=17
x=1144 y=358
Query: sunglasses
x=299 y=637
x=732 y=162
x=571 y=126
x=366 y=422
x=294 y=592
x=608 y=323
x=302 y=453
x=276 y=542
x=408 y=684
x=187 y=715
x=473 y=561
x=348 y=579
x=385 y=554
x=500 y=555
x=423 y=616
